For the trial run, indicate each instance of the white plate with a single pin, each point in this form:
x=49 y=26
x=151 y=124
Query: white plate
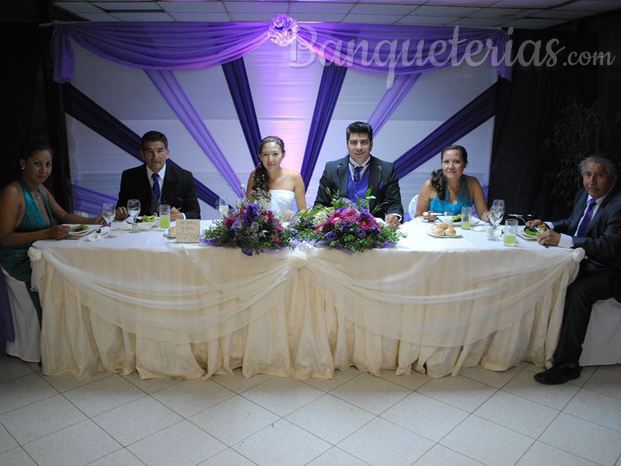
x=443 y=236
x=146 y=225
x=473 y=221
x=523 y=235
x=81 y=234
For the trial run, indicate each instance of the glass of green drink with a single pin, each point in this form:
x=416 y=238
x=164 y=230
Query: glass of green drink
x=466 y=212
x=164 y=216
x=510 y=235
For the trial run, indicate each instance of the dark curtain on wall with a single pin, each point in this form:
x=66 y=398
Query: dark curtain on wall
x=20 y=52
x=526 y=108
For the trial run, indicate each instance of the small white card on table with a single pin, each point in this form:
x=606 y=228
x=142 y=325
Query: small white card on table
x=188 y=231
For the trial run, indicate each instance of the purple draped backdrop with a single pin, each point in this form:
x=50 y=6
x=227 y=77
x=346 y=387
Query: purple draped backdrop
x=239 y=87
x=475 y=113
x=96 y=118
x=189 y=46
x=391 y=100
x=169 y=87
x=327 y=96
x=402 y=52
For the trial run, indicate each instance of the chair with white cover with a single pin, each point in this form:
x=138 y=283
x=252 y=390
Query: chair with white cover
x=412 y=207
x=27 y=344
x=602 y=344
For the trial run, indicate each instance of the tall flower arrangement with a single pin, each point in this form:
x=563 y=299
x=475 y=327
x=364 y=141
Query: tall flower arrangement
x=251 y=228
x=346 y=226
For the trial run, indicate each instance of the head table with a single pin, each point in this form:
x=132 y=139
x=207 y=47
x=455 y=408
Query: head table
x=142 y=302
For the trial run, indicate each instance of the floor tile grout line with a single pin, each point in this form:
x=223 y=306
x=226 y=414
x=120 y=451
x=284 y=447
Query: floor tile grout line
x=184 y=416
x=568 y=452
x=534 y=401
x=142 y=438
x=533 y=440
x=29 y=403
x=44 y=377
x=150 y=393
x=512 y=429
x=104 y=455
x=592 y=422
x=20 y=447
x=240 y=440
x=106 y=410
x=340 y=449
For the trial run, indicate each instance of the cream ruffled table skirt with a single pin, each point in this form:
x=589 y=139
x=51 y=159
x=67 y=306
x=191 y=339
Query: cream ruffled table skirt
x=141 y=303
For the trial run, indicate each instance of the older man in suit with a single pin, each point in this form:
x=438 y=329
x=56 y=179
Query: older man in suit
x=595 y=226
x=353 y=175
x=157 y=182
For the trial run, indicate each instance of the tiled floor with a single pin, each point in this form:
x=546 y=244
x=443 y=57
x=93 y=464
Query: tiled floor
x=354 y=418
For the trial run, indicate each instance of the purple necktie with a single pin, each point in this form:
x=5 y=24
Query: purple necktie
x=584 y=224
x=156 y=185
x=357 y=171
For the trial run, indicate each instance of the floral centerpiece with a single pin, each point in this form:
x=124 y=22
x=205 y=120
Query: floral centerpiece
x=345 y=225
x=250 y=227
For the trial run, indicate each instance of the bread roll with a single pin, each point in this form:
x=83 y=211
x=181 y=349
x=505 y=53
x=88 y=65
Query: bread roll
x=437 y=230
x=450 y=231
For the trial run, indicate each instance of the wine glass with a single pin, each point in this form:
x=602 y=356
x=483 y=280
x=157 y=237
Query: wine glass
x=133 y=209
x=108 y=212
x=223 y=207
x=496 y=212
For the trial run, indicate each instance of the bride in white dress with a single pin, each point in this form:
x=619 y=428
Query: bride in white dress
x=283 y=187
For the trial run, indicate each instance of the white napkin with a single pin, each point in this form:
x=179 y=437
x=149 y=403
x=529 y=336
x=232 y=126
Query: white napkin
x=99 y=234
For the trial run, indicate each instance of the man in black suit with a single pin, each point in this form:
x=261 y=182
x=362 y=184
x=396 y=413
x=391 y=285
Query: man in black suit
x=351 y=176
x=157 y=182
x=595 y=226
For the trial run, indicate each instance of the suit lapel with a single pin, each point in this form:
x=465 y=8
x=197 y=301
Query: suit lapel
x=375 y=173
x=342 y=173
x=577 y=213
x=168 y=187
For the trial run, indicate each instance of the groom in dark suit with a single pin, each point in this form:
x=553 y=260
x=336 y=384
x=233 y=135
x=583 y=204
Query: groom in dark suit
x=351 y=176
x=157 y=182
x=595 y=226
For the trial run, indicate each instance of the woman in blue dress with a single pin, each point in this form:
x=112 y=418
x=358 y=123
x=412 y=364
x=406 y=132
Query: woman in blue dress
x=448 y=189
x=30 y=213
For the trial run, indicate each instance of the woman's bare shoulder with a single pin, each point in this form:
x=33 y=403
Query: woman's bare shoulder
x=12 y=191
x=472 y=180
x=291 y=174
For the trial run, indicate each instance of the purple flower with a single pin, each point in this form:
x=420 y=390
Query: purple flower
x=236 y=225
x=330 y=236
x=251 y=213
x=360 y=233
x=254 y=227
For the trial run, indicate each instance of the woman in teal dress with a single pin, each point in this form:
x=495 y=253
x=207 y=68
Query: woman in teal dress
x=30 y=213
x=448 y=189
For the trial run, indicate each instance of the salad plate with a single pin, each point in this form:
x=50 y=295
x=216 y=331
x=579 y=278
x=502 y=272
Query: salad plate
x=80 y=230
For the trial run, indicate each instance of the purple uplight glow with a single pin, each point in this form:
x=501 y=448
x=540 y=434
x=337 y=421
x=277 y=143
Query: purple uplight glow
x=284 y=96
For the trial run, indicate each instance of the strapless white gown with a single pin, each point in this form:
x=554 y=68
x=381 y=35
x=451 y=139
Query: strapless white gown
x=281 y=200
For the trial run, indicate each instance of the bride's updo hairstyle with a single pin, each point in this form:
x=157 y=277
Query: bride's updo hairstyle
x=261 y=181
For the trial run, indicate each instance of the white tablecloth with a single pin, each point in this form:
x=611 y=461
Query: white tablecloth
x=142 y=302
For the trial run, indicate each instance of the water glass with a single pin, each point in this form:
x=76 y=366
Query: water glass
x=164 y=216
x=223 y=207
x=466 y=212
x=108 y=212
x=133 y=209
x=510 y=235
